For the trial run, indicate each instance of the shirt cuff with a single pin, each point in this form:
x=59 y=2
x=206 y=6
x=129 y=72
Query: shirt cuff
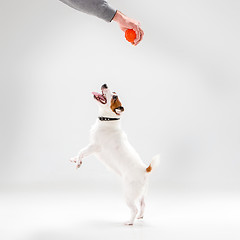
x=108 y=14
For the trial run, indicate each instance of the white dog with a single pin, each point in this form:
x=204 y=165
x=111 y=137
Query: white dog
x=110 y=144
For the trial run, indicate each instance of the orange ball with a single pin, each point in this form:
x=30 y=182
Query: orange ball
x=130 y=35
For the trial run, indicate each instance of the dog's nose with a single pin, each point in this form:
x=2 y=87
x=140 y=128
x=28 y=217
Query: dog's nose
x=104 y=86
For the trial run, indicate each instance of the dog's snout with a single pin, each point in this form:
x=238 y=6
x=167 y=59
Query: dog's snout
x=115 y=97
x=104 y=86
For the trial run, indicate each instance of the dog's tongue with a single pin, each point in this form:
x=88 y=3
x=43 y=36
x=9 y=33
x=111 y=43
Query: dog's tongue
x=98 y=95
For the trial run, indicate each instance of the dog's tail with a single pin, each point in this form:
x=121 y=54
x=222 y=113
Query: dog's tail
x=154 y=163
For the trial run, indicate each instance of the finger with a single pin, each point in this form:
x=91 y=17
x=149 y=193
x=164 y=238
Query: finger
x=136 y=29
x=141 y=36
x=136 y=43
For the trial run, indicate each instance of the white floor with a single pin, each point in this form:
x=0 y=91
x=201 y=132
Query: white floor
x=75 y=216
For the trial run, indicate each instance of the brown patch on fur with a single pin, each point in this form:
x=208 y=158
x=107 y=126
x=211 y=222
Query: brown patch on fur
x=115 y=103
x=149 y=168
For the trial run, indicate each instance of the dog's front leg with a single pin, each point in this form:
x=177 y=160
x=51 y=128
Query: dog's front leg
x=85 y=152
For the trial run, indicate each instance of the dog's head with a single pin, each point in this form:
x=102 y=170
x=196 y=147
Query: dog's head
x=108 y=102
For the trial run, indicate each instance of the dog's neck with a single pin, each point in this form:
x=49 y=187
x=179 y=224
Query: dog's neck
x=112 y=122
x=107 y=119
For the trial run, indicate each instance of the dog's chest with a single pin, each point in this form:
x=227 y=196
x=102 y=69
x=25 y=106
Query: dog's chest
x=107 y=137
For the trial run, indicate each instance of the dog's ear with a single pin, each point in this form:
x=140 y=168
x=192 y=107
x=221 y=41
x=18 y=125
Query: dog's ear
x=114 y=97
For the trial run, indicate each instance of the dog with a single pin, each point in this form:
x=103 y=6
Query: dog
x=110 y=144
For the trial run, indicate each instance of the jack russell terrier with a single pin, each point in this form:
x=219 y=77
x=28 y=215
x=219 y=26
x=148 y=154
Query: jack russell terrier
x=110 y=144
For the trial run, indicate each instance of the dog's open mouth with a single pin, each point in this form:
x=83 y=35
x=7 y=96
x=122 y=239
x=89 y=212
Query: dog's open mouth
x=100 y=97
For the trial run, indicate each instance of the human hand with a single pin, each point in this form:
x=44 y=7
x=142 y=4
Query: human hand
x=128 y=23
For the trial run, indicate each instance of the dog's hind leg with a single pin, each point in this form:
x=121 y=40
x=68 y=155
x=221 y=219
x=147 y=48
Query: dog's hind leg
x=131 y=204
x=131 y=192
x=142 y=208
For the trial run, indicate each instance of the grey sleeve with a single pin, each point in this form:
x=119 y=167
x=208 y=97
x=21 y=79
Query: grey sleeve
x=98 y=8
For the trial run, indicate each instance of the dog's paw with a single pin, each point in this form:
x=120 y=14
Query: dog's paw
x=140 y=217
x=128 y=223
x=79 y=164
x=76 y=160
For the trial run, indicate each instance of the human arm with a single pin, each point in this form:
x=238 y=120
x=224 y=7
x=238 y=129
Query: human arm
x=98 y=8
x=101 y=9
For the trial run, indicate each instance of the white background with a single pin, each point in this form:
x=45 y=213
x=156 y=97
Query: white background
x=180 y=89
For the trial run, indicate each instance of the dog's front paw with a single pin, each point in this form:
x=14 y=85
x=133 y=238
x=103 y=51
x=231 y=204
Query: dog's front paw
x=76 y=160
x=73 y=159
x=79 y=163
